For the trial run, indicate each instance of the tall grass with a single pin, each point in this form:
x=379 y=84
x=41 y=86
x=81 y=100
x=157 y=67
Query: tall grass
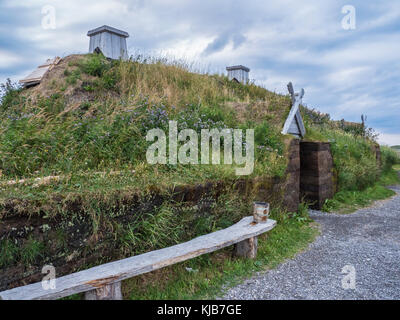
x=118 y=102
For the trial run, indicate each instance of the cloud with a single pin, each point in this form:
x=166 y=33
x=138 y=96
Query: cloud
x=224 y=39
x=8 y=59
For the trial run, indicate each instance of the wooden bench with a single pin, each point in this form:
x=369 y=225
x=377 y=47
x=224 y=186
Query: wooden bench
x=103 y=282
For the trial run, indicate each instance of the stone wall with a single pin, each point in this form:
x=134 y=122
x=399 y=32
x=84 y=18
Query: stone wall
x=316 y=173
x=291 y=198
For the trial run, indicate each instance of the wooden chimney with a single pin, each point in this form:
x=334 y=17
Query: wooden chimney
x=238 y=73
x=110 y=41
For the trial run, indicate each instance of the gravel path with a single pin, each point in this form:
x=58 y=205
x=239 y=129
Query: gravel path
x=367 y=240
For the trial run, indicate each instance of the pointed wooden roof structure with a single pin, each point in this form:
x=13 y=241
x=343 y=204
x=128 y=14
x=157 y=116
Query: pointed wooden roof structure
x=294 y=123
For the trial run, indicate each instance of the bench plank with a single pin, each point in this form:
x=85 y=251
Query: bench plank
x=116 y=271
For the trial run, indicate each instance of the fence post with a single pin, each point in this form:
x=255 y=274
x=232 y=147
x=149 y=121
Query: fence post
x=248 y=248
x=107 y=292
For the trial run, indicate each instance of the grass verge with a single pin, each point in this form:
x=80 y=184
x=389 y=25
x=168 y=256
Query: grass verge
x=205 y=277
x=349 y=201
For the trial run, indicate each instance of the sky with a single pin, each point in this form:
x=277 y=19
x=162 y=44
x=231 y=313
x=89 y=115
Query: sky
x=348 y=64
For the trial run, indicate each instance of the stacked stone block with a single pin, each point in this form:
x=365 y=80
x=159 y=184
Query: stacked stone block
x=316 y=173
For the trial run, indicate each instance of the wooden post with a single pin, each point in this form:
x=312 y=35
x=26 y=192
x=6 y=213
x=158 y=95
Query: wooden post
x=260 y=212
x=246 y=248
x=107 y=292
x=294 y=122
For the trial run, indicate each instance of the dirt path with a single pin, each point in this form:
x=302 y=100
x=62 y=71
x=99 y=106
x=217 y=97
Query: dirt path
x=367 y=242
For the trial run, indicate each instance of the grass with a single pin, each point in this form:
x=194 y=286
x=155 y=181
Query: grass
x=100 y=118
x=206 y=276
x=9 y=252
x=348 y=201
x=32 y=250
x=31 y=196
x=354 y=160
x=28 y=254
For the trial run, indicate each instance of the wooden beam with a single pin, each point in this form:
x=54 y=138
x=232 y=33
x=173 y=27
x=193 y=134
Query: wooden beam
x=107 y=292
x=301 y=123
x=246 y=248
x=114 y=272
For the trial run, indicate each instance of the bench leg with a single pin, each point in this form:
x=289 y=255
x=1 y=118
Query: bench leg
x=107 y=292
x=246 y=248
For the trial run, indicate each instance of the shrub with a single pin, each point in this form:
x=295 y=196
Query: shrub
x=95 y=65
x=389 y=158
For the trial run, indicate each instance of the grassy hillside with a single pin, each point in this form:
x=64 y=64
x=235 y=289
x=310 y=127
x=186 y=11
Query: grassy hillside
x=89 y=117
x=83 y=129
x=72 y=152
x=352 y=150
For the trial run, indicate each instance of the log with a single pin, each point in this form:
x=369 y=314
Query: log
x=107 y=292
